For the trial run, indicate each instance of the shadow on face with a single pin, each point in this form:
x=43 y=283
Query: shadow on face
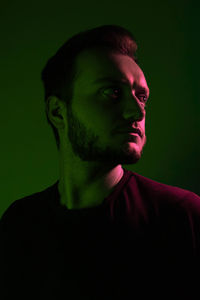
x=109 y=97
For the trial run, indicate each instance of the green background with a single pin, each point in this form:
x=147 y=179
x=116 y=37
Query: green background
x=168 y=50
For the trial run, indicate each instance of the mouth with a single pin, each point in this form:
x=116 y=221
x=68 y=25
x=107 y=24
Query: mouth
x=135 y=132
x=130 y=136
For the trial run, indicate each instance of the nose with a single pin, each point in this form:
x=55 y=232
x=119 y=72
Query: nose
x=133 y=109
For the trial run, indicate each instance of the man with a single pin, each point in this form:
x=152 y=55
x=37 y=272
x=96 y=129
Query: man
x=100 y=231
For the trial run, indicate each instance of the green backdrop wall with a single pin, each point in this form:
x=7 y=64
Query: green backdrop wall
x=168 y=38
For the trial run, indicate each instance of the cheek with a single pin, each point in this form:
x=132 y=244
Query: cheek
x=94 y=113
x=90 y=118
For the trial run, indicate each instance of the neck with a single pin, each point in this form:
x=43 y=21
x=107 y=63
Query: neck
x=86 y=184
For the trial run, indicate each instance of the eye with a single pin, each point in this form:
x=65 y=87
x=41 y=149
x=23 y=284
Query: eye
x=144 y=100
x=112 y=92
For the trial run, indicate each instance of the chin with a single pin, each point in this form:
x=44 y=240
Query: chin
x=131 y=154
x=132 y=149
x=130 y=159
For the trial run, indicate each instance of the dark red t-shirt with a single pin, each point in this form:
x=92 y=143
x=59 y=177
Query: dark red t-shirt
x=142 y=241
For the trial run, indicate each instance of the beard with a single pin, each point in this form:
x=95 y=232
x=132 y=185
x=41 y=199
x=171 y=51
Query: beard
x=87 y=146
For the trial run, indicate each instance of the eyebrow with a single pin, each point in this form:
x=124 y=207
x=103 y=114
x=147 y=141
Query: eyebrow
x=121 y=81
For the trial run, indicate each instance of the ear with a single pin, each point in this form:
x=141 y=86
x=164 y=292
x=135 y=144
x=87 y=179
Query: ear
x=56 y=111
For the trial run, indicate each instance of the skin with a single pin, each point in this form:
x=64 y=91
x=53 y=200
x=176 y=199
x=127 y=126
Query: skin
x=91 y=152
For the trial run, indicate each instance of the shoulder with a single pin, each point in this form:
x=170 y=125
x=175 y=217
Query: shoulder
x=28 y=207
x=164 y=194
x=174 y=211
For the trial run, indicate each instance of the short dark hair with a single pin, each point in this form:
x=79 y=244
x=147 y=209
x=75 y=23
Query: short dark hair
x=58 y=73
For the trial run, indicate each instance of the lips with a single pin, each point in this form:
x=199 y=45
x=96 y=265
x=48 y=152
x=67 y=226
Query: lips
x=131 y=130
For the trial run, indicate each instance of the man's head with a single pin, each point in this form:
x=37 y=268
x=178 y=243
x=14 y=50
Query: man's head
x=99 y=95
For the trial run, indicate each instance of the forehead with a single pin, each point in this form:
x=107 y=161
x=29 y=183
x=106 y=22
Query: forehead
x=96 y=64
